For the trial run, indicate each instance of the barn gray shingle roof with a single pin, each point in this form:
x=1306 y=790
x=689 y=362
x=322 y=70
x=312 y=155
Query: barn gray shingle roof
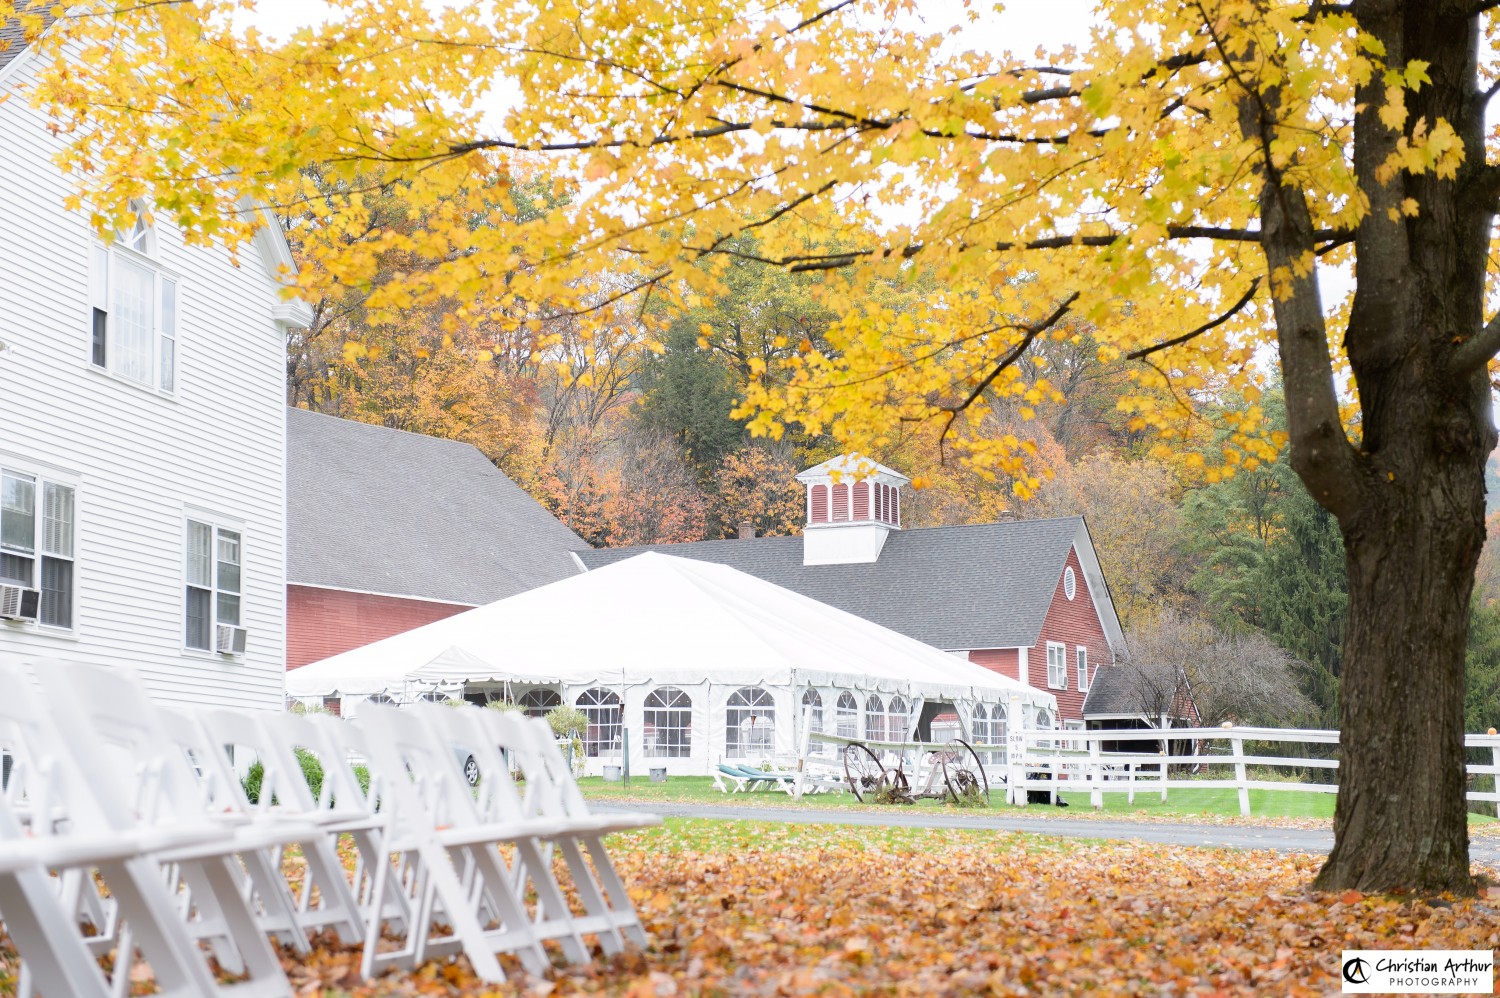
x=1130 y=689
x=964 y=587
x=380 y=510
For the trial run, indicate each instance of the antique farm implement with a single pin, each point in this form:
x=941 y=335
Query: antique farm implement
x=952 y=771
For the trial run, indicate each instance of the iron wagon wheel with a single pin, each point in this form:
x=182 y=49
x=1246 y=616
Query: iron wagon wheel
x=963 y=773
x=862 y=768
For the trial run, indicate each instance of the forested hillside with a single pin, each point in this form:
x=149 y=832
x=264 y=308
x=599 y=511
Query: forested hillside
x=641 y=437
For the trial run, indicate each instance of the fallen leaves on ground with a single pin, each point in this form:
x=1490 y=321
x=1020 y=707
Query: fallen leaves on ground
x=822 y=910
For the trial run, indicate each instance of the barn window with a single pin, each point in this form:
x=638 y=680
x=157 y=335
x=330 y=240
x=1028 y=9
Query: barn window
x=874 y=719
x=846 y=716
x=602 y=708
x=861 y=500
x=1083 y=668
x=1057 y=665
x=819 y=504
x=749 y=722
x=537 y=703
x=840 y=502
x=669 y=723
x=1070 y=583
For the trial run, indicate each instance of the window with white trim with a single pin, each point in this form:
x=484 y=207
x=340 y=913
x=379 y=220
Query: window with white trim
x=1083 y=668
x=602 y=708
x=749 y=723
x=1057 y=665
x=214 y=557
x=37 y=525
x=539 y=702
x=668 y=724
x=133 y=307
x=846 y=716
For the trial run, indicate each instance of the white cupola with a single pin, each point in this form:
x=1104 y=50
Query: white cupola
x=852 y=504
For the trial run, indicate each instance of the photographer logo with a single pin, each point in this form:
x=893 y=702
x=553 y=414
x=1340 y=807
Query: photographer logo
x=1417 y=971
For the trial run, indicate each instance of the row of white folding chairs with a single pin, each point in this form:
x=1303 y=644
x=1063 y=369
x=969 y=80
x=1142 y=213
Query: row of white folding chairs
x=106 y=783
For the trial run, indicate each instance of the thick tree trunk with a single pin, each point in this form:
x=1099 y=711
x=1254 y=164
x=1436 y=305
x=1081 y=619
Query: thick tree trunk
x=1410 y=499
x=1400 y=821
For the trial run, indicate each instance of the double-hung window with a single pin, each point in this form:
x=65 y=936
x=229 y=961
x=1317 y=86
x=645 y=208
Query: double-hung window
x=214 y=559
x=36 y=542
x=133 y=323
x=1083 y=668
x=1057 y=665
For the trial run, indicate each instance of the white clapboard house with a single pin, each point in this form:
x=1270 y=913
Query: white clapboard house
x=142 y=436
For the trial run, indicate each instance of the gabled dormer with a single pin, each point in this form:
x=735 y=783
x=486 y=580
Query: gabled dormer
x=853 y=503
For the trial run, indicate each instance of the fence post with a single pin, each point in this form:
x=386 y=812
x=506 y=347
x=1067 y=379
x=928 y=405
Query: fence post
x=1096 y=775
x=1130 y=777
x=1166 y=753
x=1015 y=755
x=1239 y=775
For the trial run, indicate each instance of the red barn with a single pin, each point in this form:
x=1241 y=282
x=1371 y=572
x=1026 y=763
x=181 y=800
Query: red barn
x=1025 y=598
x=388 y=530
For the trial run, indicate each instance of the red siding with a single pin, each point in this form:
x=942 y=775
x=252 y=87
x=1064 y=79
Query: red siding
x=1002 y=660
x=1073 y=622
x=324 y=622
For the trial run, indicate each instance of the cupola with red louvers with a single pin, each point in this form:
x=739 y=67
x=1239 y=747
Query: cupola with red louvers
x=852 y=505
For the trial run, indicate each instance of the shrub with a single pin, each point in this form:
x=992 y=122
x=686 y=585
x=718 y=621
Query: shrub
x=504 y=705
x=312 y=774
x=568 y=722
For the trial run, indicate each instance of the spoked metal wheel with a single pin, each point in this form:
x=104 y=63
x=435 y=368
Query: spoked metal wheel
x=866 y=776
x=963 y=773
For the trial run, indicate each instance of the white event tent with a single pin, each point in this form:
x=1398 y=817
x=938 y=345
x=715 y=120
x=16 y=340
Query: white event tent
x=695 y=662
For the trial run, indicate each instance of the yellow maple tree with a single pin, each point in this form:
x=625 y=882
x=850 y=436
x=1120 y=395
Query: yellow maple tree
x=1179 y=183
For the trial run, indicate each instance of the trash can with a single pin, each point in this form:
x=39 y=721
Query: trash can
x=611 y=774
x=658 y=774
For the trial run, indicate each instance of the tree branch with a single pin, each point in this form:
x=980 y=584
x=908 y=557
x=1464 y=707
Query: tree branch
x=1179 y=340
x=1478 y=350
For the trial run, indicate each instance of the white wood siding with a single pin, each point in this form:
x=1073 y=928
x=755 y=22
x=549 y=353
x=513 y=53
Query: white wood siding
x=142 y=460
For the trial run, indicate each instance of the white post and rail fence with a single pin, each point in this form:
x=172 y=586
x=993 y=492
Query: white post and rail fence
x=1229 y=758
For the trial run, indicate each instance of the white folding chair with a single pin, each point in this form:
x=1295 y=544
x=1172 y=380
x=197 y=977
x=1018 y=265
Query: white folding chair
x=285 y=794
x=431 y=823
x=497 y=805
x=80 y=825
x=120 y=741
x=552 y=793
x=344 y=806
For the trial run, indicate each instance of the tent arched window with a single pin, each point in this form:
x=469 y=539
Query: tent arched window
x=668 y=724
x=536 y=703
x=874 y=719
x=1044 y=723
x=749 y=722
x=813 y=699
x=602 y=708
x=988 y=724
x=846 y=716
x=897 y=720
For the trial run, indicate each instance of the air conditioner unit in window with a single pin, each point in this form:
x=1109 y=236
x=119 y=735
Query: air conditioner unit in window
x=230 y=640
x=19 y=603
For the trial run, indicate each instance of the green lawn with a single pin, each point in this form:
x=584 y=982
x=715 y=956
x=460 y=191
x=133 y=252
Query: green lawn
x=1184 y=804
x=734 y=837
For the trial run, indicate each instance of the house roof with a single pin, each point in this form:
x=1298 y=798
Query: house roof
x=958 y=588
x=372 y=509
x=852 y=466
x=1126 y=691
x=12 y=40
